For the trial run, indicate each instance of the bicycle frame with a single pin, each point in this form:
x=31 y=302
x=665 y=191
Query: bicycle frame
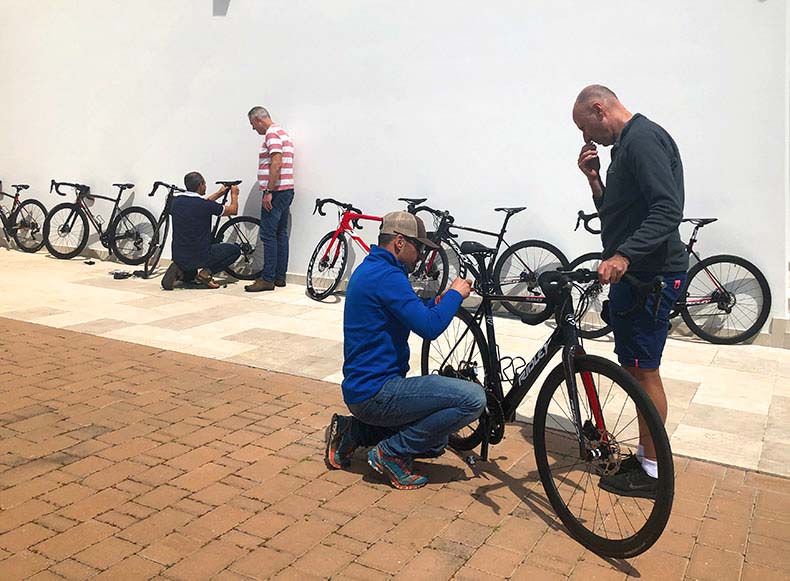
x=564 y=338
x=684 y=301
x=346 y=226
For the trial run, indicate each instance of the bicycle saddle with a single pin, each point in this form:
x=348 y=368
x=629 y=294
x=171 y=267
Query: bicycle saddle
x=415 y=201
x=699 y=221
x=123 y=186
x=20 y=186
x=472 y=247
x=511 y=211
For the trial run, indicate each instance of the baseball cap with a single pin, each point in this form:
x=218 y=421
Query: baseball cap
x=407 y=225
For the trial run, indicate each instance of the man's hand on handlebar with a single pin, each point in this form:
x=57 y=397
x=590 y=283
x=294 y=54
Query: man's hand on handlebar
x=612 y=270
x=461 y=285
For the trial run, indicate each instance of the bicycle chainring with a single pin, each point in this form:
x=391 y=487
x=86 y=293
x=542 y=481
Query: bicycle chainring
x=496 y=419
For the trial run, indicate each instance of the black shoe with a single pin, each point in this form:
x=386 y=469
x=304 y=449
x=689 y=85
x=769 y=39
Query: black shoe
x=172 y=274
x=630 y=464
x=279 y=282
x=635 y=483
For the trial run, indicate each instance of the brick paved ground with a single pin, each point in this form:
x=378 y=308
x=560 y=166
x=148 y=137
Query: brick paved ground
x=124 y=461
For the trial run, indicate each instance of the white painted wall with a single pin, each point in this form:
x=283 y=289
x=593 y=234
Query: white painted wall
x=466 y=103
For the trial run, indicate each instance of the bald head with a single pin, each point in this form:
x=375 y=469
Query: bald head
x=599 y=114
x=594 y=93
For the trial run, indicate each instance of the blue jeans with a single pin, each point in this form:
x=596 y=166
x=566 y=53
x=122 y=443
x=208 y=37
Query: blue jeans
x=274 y=235
x=220 y=256
x=412 y=417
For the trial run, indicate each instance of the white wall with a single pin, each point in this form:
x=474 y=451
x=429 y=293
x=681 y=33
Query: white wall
x=466 y=103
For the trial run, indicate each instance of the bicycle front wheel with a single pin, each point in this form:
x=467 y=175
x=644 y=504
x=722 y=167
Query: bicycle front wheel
x=608 y=524
x=130 y=235
x=516 y=274
x=326 y=265
x=245 y=232
x=430 y=276
x=459 y=352
x=591 y=325
x=727 y=299
x=157 y=247
x=66 y=231
x=28 y=225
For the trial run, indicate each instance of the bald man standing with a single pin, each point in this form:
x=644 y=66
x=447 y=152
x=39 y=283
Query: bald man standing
x=640 y=206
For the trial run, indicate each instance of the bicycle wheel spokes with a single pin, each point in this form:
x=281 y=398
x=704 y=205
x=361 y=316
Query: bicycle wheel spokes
x=724 y=299
x=133 y=235
x=246 y=234
x=517 y=274
x=29 y=226
x=66 y=231
x=607 y=523
x=327 y=265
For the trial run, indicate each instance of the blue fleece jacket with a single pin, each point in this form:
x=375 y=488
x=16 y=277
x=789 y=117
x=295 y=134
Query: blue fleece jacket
x=381 y=310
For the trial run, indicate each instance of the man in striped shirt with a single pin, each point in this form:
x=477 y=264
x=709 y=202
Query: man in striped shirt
x=276 y=181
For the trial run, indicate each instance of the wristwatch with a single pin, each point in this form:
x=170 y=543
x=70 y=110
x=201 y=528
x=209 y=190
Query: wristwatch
x=267 y=192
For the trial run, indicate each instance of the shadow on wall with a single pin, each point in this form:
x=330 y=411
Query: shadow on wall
x=220 y=7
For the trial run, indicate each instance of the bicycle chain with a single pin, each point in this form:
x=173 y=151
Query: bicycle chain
x=496 y=419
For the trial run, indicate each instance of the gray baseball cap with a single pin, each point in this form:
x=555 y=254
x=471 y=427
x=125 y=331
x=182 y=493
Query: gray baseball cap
x=407 y=225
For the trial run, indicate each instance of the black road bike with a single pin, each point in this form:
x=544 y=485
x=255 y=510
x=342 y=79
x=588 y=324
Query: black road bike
x=24 y=221
x=515 y=273
x=585 y=420
x=66 y=228
x=726 y=298
x=244 y=231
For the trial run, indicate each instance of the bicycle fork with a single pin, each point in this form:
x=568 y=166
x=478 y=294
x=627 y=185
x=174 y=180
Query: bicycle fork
x=586 y=431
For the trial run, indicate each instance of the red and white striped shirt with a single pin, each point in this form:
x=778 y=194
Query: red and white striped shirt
x=276 y=140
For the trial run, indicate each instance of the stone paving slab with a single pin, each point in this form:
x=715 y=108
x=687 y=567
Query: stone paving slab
x=727 y=403
x=124 y=461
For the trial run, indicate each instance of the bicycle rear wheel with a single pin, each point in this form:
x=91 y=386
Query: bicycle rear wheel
x=727 y=299
x=66 y=231
x=157 y=247
x=591 y=325
x=130 y=235
x=28 y=225
x=326 y=265
x=245 y=232
x=606 y=523
x=459 y=352
x=430 y=277
x=516 y=274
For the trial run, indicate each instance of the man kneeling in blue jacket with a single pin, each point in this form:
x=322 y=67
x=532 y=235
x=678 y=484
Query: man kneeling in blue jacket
x=402 y=418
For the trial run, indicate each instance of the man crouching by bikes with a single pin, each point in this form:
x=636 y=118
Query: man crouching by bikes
x=401 y=418
x=192 y=248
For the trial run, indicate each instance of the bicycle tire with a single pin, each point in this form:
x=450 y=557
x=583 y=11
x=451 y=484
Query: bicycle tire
x=245 y=232
x=517 y=274
x=57 y=242
x=458 y=361
x=592 y=325
x=29 y=233
x=563 y=445
x=157 y=247
x=752 y=293
x=130 y=235
x=429 y=278
x=319 y=287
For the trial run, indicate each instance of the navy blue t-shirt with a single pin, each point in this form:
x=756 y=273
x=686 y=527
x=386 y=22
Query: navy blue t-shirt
x=192 y=214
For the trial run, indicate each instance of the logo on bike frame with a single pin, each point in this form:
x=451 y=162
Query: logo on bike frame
x=534 y=363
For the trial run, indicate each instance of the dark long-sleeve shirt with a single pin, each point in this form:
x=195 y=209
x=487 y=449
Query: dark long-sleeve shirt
x=381 y=310
x=642 y=203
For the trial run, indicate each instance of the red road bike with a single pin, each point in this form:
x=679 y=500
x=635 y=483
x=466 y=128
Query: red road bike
x=328 y=262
